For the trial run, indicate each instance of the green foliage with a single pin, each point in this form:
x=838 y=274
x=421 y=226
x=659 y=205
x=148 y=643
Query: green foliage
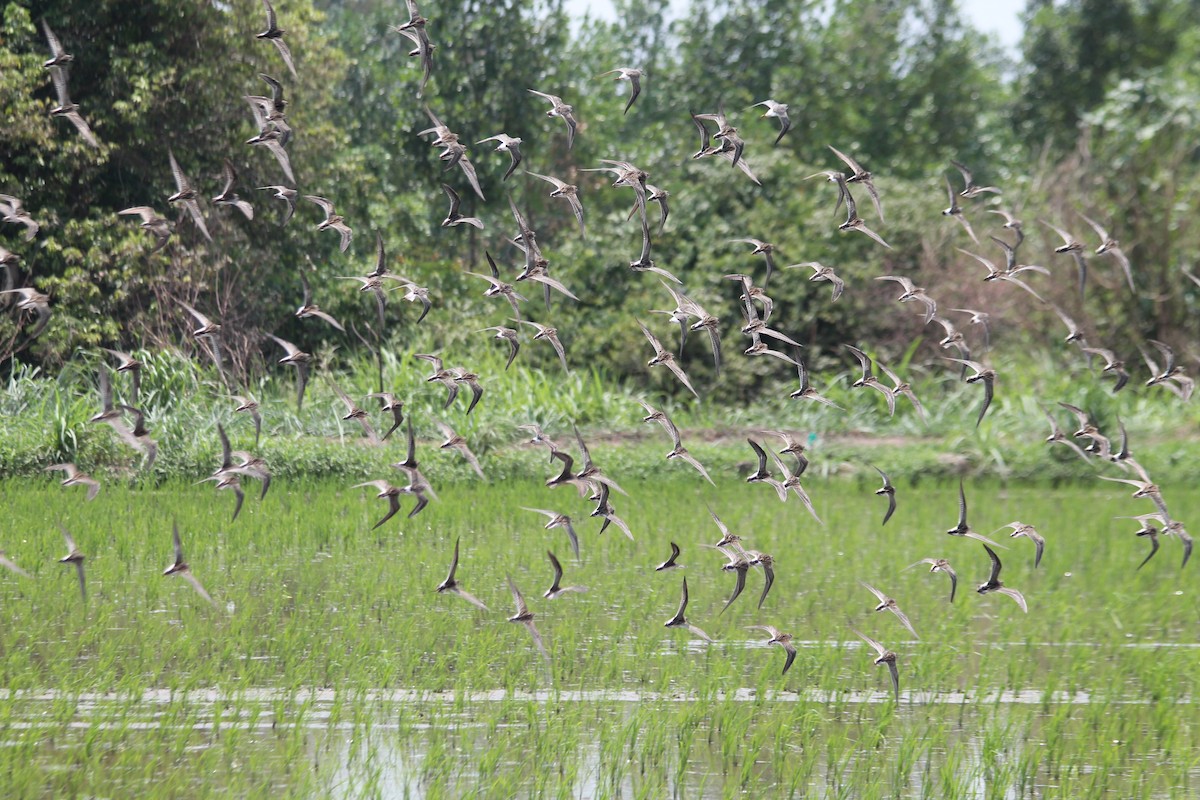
x=928 y=90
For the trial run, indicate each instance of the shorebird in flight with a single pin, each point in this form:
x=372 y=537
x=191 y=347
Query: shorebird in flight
x=806 y=392
x=333 y=221
x=993 y=583
x=955 y=211
x=506 y=144
x=158 y=227
x=888 y=604
x=778 y=111
x=970 y=188
x=984 y=375
x=885 y=656
x=940 y=565
x=459 y=444
x=76 y=558
x=393 y=405
x=680 y=621
x=454 y=217
x=889 y=490
x=556 y=589
x=859 y=175
x=7 y=563
x=59 y=57
x=181 y=568
x=1028 y=531
x=67 y=109
x=1111 y=246
x=784 y=640
x=962 y=528
x=451 y=585
x=386 y=491
x=557 y=520
x=525 y=617
x=274 y=35
x=186 y=195
x=672 y=562
x=563 y=111
x=300 y=360
x=354 y=412
x=631 y=74
x=73 y=476
x=665 y=357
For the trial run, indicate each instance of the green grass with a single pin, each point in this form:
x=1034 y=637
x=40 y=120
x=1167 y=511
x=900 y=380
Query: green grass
x=44 y=421
x=311 y=599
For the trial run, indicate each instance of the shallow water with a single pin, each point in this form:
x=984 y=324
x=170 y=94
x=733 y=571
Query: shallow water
x=400 y=749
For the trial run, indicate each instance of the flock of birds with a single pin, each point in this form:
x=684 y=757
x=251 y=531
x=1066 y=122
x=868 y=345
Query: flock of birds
x=719 y=138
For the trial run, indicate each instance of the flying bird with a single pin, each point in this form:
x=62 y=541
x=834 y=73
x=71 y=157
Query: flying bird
x=556 y=589
x=274 y=35
x=557 y=520
x=765 y=249
x=333 y=221
x=12 y=210
x=566 y=191
x=778 y=111
x=287 y=195
x=158 y=227
x=784 y=640
x=634 y=76
x=186 y=195
x=308 y=309
x=548 y=334
x=506 y=144
x=73 y=476
x=453 y=586
x=228 y=197
x=806 y=392
x=75 y=557
x=962 y=528
x=300 y=360
x=885 y=656
x=453 y=216
x=459 y=444
x=181 y=568
x=665 y=357
x=993 y=583
x=386 y=492
x=889 y=490
x=525 y=617
x=1028 y=531
x=868 y=378
x=247 y=405
x=823 y=273
x=955 y=211
x=984 y=375
x=355 y=413
x=888 y=604
x=59 y=57
x=861 y=176
x=7 y=563
x=509 y=336
x=680 y=621
x=940 y=565
x=970 y=188
x=561 y=110
x=670 y=563
x=391 y=404
x=67 y=109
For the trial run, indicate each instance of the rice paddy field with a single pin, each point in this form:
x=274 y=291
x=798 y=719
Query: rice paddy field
x=328 y=665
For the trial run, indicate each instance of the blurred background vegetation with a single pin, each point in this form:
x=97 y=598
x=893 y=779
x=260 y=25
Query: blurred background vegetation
x=1098 y=115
